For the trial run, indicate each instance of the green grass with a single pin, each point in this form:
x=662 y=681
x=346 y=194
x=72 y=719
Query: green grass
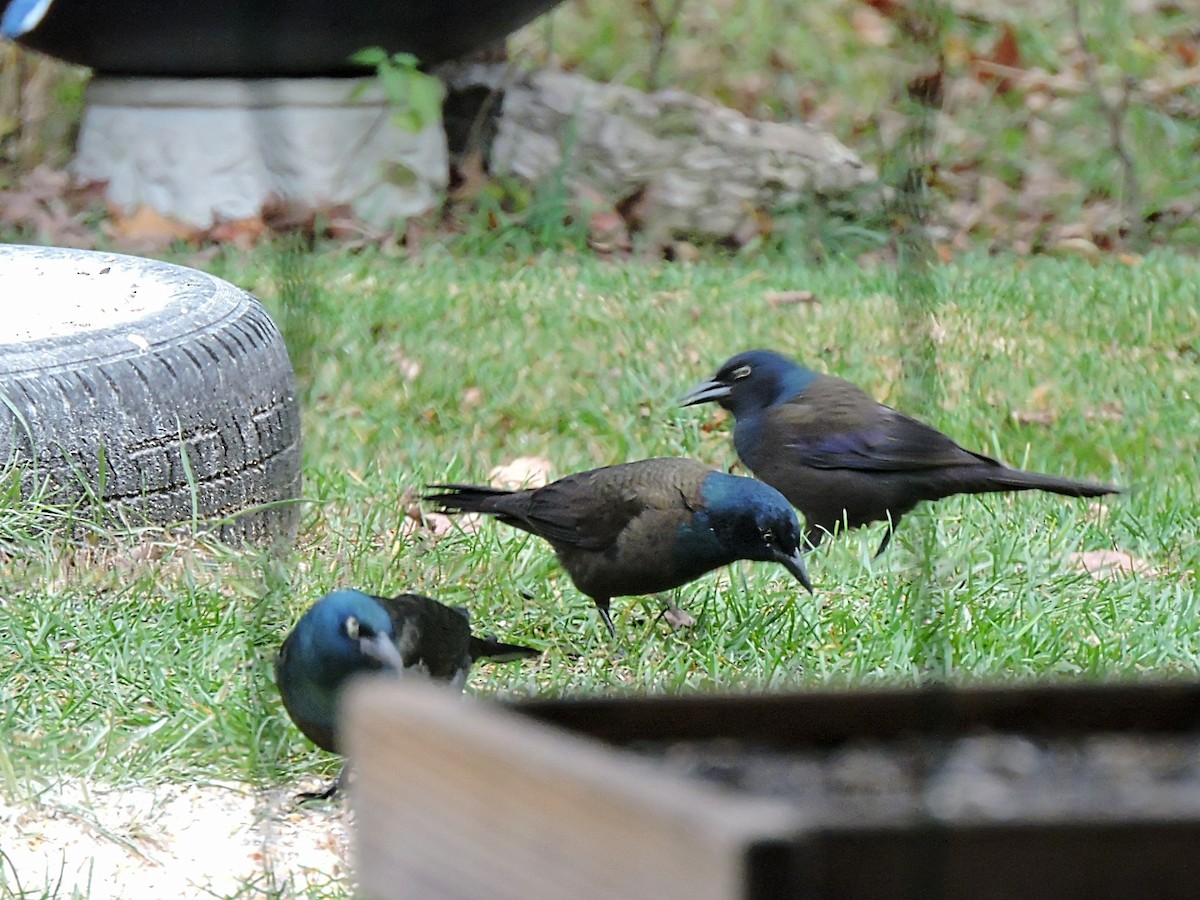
x=123 y=660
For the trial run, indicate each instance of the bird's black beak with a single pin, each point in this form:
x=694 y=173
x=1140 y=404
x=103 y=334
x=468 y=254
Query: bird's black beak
x=795 y=564
x=705 y=392
x=380 y=648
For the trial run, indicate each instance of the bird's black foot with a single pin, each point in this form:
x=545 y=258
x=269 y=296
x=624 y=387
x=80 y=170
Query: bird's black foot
x=330 y=791
x=887 y=536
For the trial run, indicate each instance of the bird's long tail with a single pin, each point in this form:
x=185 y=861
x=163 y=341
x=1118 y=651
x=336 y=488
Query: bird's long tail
x=1002 y=478
x=497 y=651
x=464 y=497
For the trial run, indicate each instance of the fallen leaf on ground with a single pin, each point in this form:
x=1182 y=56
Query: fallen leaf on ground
x=1034 y=416
x=607 y=232
x=1005 y=54
x=435 y=524
x=1111 y=411
x=714 y=421
x=791 y=298
x=1102 y=564
x=871 y=27
x=146 y=229
x=471 y=398
x=1077 y=246
x=408 y=368
x=522 y=472
x=242 y=233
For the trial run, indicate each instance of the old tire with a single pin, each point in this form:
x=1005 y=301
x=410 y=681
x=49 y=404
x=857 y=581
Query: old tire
x=158 y=393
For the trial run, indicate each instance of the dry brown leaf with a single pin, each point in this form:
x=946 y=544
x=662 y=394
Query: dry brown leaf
x=791 y=298
x=890 y=8
x=242 y=233
x=871 y=27
x=522 y=472
x=438 y=525
x=1004 y=55
x=408 y=367
x=469 y=177
x=1103 y=564
x=434 y=524
x=287 y=216
x=1185 y=50
x=714 y=421
x=607 y=232
x=471 y=398
x=148 y=229
x=683 y=251
x=1034 y=416
x=1112 y=411
x=1038 y=411
x=1077 y=246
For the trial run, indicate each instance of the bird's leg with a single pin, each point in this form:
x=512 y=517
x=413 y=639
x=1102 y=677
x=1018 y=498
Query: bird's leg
x=887 y=535
x=331 y=790
x=602 y=606
x=812 y=537
x=675 y=616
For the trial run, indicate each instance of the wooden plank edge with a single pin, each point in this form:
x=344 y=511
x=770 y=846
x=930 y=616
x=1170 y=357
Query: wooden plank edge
x=455 y=797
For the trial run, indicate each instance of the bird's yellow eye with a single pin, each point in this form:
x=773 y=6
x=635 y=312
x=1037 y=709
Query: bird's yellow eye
x=352 y=628
x=739 y=373
x=768 y=536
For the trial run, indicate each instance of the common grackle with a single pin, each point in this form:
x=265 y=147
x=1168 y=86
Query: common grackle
x=644 y=527
x=840 y=457
x=348 y=632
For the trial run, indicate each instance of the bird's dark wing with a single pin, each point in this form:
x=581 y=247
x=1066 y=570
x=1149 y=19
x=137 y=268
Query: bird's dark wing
x=590 y=510
x=585 y=511
x=429 y=633
x=892 y=442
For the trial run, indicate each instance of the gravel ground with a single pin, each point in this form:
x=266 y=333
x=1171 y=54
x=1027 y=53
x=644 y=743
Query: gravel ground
x=984 y=778
x=209 y=840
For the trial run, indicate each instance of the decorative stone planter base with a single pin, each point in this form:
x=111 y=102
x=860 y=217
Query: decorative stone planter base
x=204 y=150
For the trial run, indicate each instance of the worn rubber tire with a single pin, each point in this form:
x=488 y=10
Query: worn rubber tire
x=167 y=359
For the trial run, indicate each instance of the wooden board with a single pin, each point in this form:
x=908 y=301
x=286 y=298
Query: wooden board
x=453 y=798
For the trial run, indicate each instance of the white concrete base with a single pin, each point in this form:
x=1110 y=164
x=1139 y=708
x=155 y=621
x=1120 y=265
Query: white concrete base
x=203 y=150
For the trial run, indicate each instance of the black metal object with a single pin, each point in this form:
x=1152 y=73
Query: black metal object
x=260 y=38
x=1071 y=856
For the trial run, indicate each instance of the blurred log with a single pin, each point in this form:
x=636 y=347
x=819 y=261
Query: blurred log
x=696 y=167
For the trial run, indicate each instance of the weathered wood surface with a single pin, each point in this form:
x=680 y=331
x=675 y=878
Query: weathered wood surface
x=456 y=799
x=461 y=798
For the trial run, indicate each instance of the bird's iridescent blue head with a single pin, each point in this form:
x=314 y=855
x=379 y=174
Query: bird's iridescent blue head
x=750 y=382
x=346 y=631
x=751 y=520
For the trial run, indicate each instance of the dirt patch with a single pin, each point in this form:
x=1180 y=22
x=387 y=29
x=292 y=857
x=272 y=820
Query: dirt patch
x=222 y=840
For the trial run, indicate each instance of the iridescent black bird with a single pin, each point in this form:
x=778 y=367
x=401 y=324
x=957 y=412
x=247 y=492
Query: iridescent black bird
x=843 y=459
x=644 y=527
x=347 y=633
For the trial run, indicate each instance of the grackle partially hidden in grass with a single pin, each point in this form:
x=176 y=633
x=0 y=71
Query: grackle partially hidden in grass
x=840 y=457
x=347 y=632
x=644 y=527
